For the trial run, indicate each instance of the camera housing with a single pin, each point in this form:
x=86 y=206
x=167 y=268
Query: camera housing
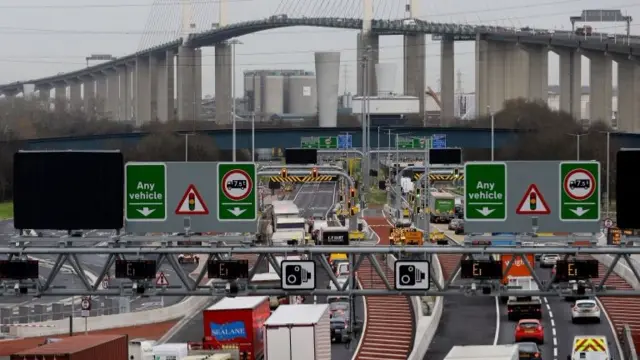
x=296 y=275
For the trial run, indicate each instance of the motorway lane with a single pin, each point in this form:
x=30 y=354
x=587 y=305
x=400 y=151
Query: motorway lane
x=465 y=320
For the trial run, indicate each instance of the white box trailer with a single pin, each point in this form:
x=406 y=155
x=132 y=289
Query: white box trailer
x=298 y=332
x=484 y=352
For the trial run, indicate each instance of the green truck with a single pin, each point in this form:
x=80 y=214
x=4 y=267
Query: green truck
x=442 y=207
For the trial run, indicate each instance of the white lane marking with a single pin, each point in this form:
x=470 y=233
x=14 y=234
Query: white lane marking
x=495 y=337
x=553 y=332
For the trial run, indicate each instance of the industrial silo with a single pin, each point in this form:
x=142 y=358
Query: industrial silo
x=386 y=78
x=327 y=80
x=249 y=93
x=272 y=94
x=302 y=95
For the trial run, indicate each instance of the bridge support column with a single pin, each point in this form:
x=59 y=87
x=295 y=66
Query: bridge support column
x=415 y=68
x=628 y=118
x=113 y=95
x=570 y=82
x=223 y=80
x=154 y=91
x=125 y=74
x=601 y=91
x=369 y=46
x=482 y=76
x=101 y=94
x=526 y=72
x=538 y=73
x=447 y=79
x=186 y=92
x=492 y=68
x=142 y=91
x=165 y=87
x=89 y=96
x=75 y=96
x=60 y=96
x=197 y=83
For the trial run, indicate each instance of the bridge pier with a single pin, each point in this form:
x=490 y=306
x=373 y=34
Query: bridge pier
x=570 y=81
x=223 y=82
x=143 y=89
x=447 y=79
x=628 y=95
x=369 y=46
x=89 y=95
x=75 y=95
x=44 y=93
x=60 y=95
x=186 y=93
x=415 y=67
x=113 y=94
x=101 y=93
x=601 y=89
x=124 y=105
x=166 y=85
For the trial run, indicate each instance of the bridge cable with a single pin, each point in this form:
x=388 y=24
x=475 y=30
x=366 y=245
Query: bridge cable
x=351 y=10
x=298 y=9
x=154 y=37
x=144 y=38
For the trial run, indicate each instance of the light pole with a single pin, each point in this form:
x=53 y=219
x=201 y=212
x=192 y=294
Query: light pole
x=577 y=136
x=608 y=161
x=186 y=146
x=493 y=133
x=233 y=44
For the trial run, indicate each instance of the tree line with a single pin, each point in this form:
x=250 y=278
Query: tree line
x=546 y=135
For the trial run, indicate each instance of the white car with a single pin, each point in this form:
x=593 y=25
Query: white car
x=549 y=260
x=585 y=310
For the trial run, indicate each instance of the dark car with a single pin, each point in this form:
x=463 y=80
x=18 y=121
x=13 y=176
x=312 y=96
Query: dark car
x=529 y=350
x=340 y=326
x=460 y=228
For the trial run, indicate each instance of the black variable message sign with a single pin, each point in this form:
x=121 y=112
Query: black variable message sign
x=228 y=269
x=578 y=269
x=18 y=269
x=135 y=269
x=68 y=190
x=481 y=270
x=300 y=156
x=627 y=189
x=335 y=238
x=445 y=156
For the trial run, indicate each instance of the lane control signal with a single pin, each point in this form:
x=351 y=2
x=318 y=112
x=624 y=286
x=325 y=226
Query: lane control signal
x=456 y=172
x=353 y=192
x=314 y=173
x=348 y=204
x=284 y=173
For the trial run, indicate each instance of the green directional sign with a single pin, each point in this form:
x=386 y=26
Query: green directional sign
x=309 y=142
x=405 y=143
x=485 y=191
x=579 y=191
x=328 y=142
x=237 y=195
x=145 y=191
x=420 y=143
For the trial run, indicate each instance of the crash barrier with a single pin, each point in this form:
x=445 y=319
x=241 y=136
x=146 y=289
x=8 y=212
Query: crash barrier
x=303 y=179
x=626 y=342
x=426 y=321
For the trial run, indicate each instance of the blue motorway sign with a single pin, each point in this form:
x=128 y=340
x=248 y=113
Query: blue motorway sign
x=345 y=141
x=439 y=141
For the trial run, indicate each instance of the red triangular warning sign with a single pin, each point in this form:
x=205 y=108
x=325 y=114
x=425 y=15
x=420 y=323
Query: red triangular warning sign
x=533 y=203
x=192 y=203
x=162 y=280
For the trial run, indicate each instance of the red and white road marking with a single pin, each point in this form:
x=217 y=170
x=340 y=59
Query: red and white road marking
x=388 y=332
x=448 y=262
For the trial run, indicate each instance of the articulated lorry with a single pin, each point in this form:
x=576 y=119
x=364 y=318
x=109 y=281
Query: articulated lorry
x=484 y=352
x=442 y=207
x=523 y=307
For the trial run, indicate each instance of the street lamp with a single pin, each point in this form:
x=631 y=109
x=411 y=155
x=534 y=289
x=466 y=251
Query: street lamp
x=186 y=146
x=493 y=132
x=233 y=43
x=608 y=161
x=577 y=136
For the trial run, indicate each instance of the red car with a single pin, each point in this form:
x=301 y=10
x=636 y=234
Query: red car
x=530 y=330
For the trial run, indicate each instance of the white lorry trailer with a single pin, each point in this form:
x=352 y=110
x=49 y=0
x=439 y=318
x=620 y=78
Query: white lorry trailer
x=484 y=352
x=298 y=332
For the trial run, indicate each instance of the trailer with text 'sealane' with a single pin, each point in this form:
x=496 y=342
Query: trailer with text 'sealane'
x=298 y=332
x=484 y=352
x=237 y=323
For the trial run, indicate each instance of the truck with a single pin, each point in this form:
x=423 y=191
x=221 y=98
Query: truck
x=288 y=229
x=484 y=352
x=442 y=207
x=236 y=322
x=523 y=307
x=87 y=347
x=170 y=351
x=298 y=332
x=584 y=30
x=141 y=349
x=333 y=235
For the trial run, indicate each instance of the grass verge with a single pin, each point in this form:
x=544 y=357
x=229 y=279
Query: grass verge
x=6 y=210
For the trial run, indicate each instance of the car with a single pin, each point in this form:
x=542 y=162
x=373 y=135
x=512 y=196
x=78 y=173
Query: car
x=188 y=259
x=340 y=326
x=529 y=329
x=529 y=350
x=454 y=223
x=342 y=269
x=549 y=260
x=460 y=229
x=585 y=310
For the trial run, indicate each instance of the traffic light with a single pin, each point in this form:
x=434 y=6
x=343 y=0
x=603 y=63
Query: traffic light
x=348 y=204
x=284 y=173
x=533 y=200
x=456 y=172
x=192 y=201
x=314 y=172
x=353 y=192
x=352 y=211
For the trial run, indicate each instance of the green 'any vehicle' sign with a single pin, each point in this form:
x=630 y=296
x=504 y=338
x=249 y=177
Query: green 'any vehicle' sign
x=145 y=191
x=485 y=191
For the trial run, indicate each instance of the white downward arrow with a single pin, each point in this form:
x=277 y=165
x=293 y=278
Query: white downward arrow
x=485 y=211
x=237 y=211
x=145 y=211
x=579 y=211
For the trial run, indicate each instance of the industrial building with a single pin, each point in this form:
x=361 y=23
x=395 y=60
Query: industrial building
x=276 y=92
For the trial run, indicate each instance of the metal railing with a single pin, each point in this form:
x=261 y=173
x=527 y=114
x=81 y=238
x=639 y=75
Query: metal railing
x=626 y=342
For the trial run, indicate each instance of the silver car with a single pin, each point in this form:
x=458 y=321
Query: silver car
x=454 y=224
x=549 y=260
x=585 y=310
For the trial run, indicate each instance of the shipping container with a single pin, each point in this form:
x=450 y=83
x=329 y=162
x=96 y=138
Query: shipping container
x=237 y=322
x=298 y=332
x=171 y=351
x=141 y=349
x=518 y=268
x=87 y=347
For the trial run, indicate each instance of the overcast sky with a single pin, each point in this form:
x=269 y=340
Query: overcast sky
x=45 y=37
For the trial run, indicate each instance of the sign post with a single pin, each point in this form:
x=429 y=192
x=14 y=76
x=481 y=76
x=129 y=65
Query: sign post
x=579 y=191
x=328 y=142
x=237 y=197
x=485 y=191
x=145 y=191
